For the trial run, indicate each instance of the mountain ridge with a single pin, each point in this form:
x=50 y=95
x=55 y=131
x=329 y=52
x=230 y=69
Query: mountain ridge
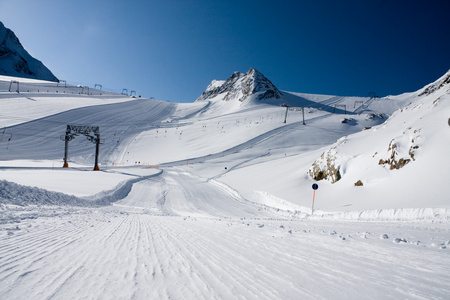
x=16 y=61
x=240 y=86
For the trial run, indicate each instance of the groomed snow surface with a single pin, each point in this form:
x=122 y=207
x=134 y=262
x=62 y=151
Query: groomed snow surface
x=212 y=200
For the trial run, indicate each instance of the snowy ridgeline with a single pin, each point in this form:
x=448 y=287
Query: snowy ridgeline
x=44 y=88
x=16 y=61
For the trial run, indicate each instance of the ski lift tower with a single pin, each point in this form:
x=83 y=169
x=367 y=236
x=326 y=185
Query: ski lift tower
x=91 y=132
x=293 y=108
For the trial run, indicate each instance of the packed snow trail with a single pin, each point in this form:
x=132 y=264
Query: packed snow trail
x=178 y=192
x=179 y=236
x=132 y=254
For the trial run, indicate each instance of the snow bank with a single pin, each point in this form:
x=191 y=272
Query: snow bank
x=17 y=194
x=402 y=214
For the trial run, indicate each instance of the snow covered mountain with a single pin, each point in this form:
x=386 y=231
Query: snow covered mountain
x=16 y=61
x=386 y=145
x=212 y=199
x=240 y=87
x=252 y=133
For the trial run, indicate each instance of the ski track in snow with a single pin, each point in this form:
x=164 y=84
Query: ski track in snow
x=178 y=236
x=119 y=253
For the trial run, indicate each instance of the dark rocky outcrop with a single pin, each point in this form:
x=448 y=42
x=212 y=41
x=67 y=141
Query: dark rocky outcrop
x=327 y=167
x=241 y=86
x=16 y=61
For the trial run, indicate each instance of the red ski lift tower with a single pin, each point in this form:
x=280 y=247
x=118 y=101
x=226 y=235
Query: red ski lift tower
x=91 y=132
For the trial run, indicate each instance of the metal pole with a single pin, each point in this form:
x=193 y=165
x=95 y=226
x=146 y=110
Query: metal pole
x=303 y=111
x=66 y=150
x=285 y=116
x=66 y=147
x=97 y=147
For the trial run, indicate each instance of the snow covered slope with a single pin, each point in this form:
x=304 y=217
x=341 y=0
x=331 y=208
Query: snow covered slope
x=251 y=138
x=406 y=153
x=212 y=199
x=16 y=61
x=395 y=165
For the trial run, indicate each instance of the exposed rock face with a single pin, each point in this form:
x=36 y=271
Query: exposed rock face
x=326 y=167
x=218 y=87
x=16 y=61
x=241 y=86
x=440 y=83
x=398 y=157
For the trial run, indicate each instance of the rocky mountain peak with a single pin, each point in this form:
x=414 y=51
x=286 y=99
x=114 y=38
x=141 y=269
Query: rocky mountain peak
x=241 y=86
x=16 y=61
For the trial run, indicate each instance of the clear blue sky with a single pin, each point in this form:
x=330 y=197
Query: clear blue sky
x=171 y=50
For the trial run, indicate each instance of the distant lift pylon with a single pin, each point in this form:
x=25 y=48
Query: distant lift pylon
x=91 y=132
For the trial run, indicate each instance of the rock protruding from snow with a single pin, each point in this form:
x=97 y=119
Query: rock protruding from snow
x=328 y=165
x=438 y=84
x=401 y=150
x=241 y=86
x=16 y=61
